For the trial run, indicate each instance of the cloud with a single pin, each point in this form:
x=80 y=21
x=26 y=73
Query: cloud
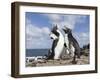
x=66 y=20
x=82 y=38
x=54 y=17
x=70 y=21
x=37 y=37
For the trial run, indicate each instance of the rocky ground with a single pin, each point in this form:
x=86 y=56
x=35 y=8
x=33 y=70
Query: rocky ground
x=66 y=60
x=83 y=60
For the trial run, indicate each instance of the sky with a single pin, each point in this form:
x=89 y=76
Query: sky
x=39 y=25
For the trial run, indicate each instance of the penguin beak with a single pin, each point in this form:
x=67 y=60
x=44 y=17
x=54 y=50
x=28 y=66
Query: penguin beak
x=64 y=30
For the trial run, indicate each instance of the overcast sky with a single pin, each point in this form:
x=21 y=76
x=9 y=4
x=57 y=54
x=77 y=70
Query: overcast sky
x=38 y=26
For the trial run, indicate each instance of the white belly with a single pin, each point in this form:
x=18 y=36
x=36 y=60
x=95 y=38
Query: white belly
x=58 y=49
x=57 y=53
x=72 y=51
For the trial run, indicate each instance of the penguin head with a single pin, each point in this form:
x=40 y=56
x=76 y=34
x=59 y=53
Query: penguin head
x=54 y=33
x=67 y=30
